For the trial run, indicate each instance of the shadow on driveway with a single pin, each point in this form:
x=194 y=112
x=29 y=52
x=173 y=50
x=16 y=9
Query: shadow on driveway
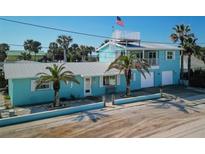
x=179 y=104
x=93 y=116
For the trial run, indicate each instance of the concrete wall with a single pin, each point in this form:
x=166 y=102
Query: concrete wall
x=49 y=114
x=137 y=99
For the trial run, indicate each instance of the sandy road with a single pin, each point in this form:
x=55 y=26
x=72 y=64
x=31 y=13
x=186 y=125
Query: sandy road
x=146 y=119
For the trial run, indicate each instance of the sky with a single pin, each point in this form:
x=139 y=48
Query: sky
x=152 y=28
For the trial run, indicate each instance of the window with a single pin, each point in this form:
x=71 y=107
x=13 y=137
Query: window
x=43 y=86
x=109 y=80
x=170 y=55
x=139 y=55
x=152 y=55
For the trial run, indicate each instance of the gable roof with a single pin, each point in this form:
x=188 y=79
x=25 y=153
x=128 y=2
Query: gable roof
x=29 y=70
x=143 y=46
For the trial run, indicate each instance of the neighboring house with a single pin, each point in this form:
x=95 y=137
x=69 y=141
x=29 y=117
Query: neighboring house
x=195 y=63
x=165 y=70
x=14 y=54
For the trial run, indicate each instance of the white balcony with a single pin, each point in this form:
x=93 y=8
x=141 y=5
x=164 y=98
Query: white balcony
x=125 y=35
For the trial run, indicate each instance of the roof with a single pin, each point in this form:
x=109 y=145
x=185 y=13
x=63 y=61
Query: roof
x=195 y=62
x=29 y=70
x=143 y=46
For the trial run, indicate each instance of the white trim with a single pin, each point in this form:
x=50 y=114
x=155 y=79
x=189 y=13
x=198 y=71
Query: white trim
x=101 y=81
x=154 y=67
x=90 y=93
x=108 y=43
x=118 y=79
x=33 y=86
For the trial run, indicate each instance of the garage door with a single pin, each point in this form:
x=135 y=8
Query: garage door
x=167 y=77
x=148 y=81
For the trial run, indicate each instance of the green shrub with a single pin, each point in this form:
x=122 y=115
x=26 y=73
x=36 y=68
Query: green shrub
x=7 y=97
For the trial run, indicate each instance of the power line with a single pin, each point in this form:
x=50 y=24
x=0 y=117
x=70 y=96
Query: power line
x=74 y=32
x=53 y=28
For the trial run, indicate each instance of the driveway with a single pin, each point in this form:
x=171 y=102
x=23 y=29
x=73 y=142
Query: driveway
x=180 y=117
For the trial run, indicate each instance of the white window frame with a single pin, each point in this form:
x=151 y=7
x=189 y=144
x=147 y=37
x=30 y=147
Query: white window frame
x=173 y=55
x=34 y=85
x=117 y=80
x=109 y=76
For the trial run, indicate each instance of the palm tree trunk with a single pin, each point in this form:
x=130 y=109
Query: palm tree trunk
x=128 y=88
x=57 y=98
x=182 y=64
x=189 y=68
x=128 y=79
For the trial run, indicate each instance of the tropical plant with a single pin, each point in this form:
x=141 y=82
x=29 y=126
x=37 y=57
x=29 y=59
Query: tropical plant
x=64 y=42
x=24 y=56
x=56 y=75
x=126 y=64
x=75 y=51
x=3 y=81
x=191 y=48
x=3 y=49
x=32 y=46
x=53 y=50
x=85 y=51
x=181 y=33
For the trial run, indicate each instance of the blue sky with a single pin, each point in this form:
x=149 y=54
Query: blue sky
x=151 y=28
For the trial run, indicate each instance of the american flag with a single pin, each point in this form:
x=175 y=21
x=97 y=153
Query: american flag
x=119 y=21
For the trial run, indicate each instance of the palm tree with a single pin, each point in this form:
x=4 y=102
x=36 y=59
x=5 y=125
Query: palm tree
x=25 y=56
x=64 y=42
x=127 y=63
x=75 y=51
x=181 y=32
x=56 y=75
x=191 y=48
x=53 y=50
x=3 y=49
x=32 y=46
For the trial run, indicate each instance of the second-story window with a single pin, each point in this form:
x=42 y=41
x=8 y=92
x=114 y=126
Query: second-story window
x=169 y=55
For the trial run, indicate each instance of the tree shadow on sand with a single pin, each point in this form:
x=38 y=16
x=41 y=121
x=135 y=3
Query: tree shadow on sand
x=179 y=104
x=93 y=116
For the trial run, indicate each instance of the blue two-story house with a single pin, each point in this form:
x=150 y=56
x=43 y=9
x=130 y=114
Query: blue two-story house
x=94 y=80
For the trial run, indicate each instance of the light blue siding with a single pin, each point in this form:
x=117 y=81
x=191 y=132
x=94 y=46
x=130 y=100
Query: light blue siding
x=108 y=53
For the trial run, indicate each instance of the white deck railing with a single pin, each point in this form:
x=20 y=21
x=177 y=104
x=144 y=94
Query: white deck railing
x=152 y=61
x=125 y=35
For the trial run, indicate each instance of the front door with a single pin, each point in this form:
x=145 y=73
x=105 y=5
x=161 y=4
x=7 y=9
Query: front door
x=87 y=86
